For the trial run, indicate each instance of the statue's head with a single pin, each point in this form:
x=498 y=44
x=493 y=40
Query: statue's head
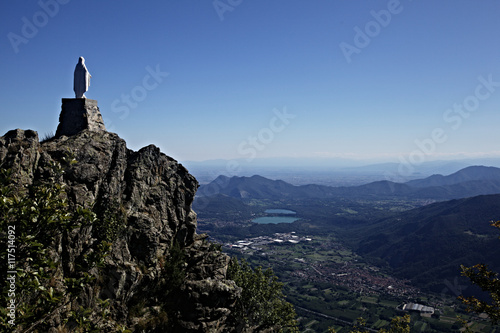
x=81 y=60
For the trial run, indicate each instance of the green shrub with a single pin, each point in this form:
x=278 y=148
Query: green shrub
x=35 y=220
x=262 y=304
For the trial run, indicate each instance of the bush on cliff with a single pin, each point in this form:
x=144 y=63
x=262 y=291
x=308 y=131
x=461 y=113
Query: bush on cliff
x=262 y=304
x=33 y=220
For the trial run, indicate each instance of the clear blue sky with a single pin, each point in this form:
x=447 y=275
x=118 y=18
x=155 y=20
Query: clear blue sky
x=233 y=65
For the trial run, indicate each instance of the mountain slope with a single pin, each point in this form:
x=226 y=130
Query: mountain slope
x=221 y=206
x=464 y=175
x=258 y=187
x=429 y=244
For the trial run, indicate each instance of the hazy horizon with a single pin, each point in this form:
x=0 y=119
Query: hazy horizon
x=302 y=171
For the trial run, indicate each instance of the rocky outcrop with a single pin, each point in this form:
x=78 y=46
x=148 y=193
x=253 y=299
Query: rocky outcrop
x=152 y=194
x=19 y=152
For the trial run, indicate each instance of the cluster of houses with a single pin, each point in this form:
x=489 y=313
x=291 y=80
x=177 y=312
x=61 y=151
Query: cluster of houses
x=277 y=238
x=361 y=279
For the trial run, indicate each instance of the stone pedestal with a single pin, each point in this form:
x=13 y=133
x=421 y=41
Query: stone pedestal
x=77 y=115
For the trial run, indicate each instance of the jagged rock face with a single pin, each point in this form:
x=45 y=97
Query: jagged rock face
x=19 y=151
x=155 y=194
x=154 y=189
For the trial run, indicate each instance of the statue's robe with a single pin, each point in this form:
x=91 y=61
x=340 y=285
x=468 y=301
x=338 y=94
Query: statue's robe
x=81 y=81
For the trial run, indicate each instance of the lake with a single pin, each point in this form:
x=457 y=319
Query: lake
x=275 y=219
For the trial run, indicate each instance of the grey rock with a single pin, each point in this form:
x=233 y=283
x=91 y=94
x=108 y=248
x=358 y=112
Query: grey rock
x=19 y=151
x=154 y=193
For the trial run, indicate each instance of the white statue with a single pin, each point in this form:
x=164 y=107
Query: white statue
x=81 y=82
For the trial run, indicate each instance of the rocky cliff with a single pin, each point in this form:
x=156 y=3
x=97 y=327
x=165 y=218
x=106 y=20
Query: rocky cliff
x=149 y=196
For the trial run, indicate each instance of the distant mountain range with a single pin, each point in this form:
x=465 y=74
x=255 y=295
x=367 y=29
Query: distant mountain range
x=426 y=244
x=257 y=187
x=329 y=171
x=467 y=182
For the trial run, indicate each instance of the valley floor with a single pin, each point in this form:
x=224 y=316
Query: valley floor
x=331 y=286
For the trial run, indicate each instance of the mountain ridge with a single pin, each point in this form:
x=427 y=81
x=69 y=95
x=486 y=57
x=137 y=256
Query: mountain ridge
x=470 y=181
x=470 y=173
x=421 y=244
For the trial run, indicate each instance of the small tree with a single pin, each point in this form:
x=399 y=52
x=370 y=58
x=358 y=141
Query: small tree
x=398 y=325
x=33 y=221
x=489 y=281
x=262 y=304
